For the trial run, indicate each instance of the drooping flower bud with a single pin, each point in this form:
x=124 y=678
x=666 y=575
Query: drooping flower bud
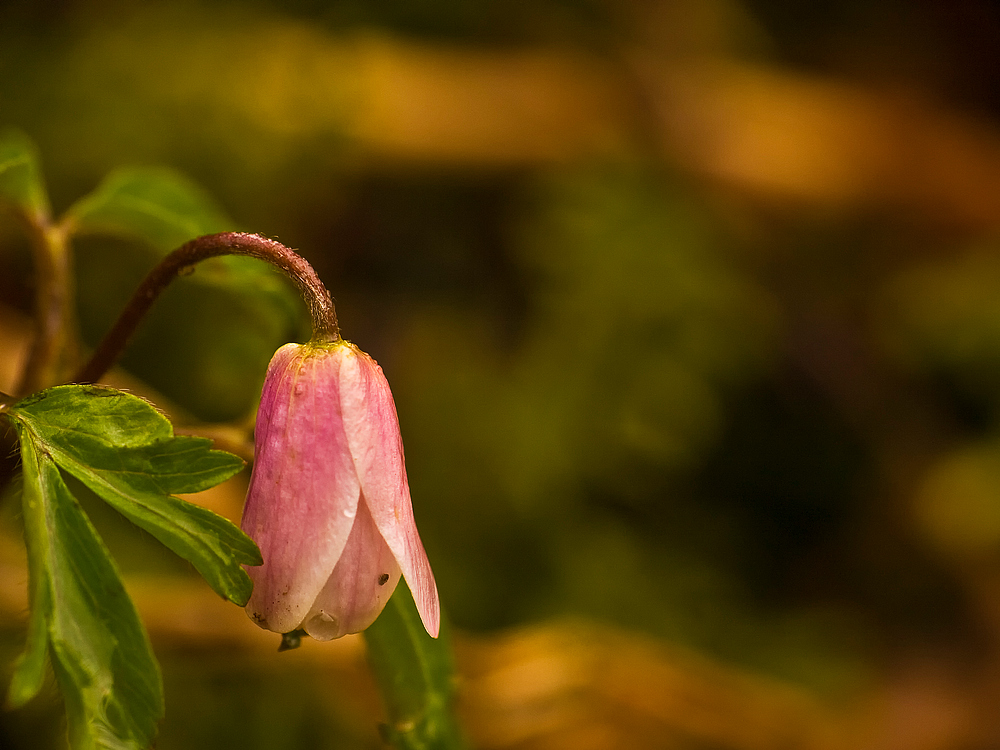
x=329 y=504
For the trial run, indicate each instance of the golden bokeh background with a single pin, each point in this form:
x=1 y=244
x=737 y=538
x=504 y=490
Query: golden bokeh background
x=691 y=309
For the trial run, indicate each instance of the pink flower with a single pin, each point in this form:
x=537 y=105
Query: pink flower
x=329 y=504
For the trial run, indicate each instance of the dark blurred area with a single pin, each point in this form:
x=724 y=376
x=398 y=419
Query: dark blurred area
x=691 y=310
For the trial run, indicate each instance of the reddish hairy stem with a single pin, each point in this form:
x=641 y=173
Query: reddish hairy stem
x=324 y=315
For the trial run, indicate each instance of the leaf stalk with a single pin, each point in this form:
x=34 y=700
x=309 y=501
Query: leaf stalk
x=52 y=351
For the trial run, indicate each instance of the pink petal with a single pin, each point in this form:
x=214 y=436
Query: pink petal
x=372 y=429
x=304 y=492
x=360 y=585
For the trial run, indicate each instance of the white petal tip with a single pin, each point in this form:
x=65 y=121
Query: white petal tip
x=430 y=614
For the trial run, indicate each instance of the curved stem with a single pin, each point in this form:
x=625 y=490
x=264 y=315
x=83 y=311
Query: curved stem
x=324 y=315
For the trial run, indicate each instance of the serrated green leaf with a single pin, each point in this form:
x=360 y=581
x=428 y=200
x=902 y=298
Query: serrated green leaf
x=416 y=676
x=124 y=450
x=156 y=205
x=21 y=182
x=99 y=650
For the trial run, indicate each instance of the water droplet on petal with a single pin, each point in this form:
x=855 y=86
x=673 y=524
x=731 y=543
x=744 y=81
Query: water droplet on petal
x=322 y=627
x=350 y=512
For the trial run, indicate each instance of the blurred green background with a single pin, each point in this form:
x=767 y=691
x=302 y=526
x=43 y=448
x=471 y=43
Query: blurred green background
x=691 y=311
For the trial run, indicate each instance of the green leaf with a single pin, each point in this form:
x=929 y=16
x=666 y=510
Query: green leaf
x=124 y=450
x=416 y=676
x=29 y=670
x=99 y=649
x=211 y=328
x=156 y=205
x=21 y=182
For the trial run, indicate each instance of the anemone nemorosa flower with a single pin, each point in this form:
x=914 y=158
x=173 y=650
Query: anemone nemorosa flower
x=329 y=504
